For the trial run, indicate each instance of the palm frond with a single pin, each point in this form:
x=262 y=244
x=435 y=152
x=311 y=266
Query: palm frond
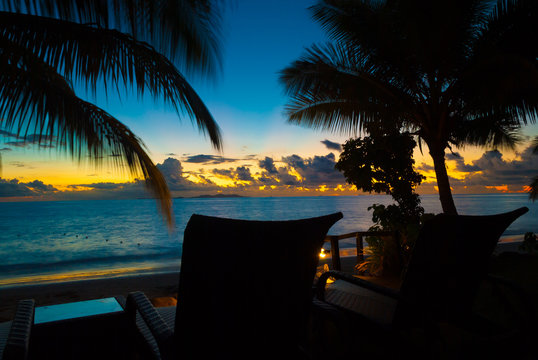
x=410 y=37
x=343 y=20
x=188 y=31
x=508 y=27
x=336 y=88
x=497 y=129
x=370 y=25
x=86 y=53
x=35 y=98
x=495 y=78
x=333 y=115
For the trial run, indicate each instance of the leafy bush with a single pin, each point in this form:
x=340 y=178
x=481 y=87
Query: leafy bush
x=383 y=163
x=529 y=244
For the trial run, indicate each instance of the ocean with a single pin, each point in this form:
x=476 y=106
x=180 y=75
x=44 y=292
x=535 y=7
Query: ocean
x=69 y=240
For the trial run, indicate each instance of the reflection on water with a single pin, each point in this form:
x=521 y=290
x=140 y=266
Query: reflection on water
x=87 y=274
x=55 y=241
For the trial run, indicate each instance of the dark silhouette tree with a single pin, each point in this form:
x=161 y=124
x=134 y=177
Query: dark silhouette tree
x=383 y=163
x=48 y=47
x=452 y=72
x=534 y=185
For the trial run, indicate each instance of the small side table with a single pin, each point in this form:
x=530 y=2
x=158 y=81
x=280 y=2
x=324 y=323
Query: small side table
x=92 y=329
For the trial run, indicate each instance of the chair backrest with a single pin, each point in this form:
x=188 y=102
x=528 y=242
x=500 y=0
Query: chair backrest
x=450 y=259
x=246 y=285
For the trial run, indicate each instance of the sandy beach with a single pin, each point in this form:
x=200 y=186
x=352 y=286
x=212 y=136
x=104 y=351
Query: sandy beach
x=153 y=285
x=158 y=287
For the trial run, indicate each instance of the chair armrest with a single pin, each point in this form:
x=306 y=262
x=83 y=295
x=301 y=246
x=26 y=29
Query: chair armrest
x=322 y=282
x=137 y=301
x=524 y=295
x=422 y=313
x=508 y=283
x=19 y=335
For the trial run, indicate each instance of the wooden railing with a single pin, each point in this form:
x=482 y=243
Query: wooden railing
x=359 y=236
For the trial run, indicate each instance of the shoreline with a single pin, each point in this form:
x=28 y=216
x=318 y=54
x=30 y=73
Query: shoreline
x=154 y=284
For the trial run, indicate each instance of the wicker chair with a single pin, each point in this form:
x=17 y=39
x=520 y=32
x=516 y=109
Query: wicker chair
x=245 y=290
x=431 y=315
x=15 y=334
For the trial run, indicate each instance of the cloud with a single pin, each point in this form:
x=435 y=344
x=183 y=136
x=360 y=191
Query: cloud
x=44 y=141
x=294 y=161
x=332 y=145
x=286 y=176
x=99 y=186
x=207 y=159
x=496 y=171
x=268 y=165
x=12 y=188
x=227 y=173
x=171 y=154
x=240 y=175
x=8 y=134
x=243 y=174
x=295 y=172
x=453 y=156
x=316 y=171
x=5 y=149
x=425 y=167
x=17 y=143
x=492 y=172
x=40 y=187
x=172 y=171
x=461 y=166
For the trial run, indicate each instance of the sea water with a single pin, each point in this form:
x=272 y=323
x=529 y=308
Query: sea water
x=57 y=241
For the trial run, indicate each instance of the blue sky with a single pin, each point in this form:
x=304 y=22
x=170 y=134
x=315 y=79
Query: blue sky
x=260 y=38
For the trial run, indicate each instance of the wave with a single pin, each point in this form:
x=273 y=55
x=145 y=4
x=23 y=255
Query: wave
x=90 y=262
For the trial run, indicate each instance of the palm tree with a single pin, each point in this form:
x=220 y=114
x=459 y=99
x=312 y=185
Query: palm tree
x=451 y=72
x=534 y=185
x=49 y=46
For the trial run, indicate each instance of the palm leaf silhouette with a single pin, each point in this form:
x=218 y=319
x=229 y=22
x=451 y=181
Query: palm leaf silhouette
x=47 y=46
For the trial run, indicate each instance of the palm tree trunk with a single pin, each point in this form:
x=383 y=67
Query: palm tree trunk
x=445 y=193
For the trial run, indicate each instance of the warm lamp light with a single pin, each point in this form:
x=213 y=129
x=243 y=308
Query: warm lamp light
x=323 y=253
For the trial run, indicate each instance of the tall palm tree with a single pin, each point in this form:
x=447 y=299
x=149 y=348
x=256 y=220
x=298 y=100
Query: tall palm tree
x=453 y=72
x=534 y=185
x=49 y=46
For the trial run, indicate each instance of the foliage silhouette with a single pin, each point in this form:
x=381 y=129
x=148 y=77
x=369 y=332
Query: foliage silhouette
x=453 y=73
x=383 y=163
x=49 y=46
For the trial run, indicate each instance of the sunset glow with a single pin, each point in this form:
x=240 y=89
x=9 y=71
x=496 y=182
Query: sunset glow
x=263 y=155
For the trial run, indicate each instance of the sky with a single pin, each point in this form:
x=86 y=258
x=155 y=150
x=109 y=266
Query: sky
x=263 y=155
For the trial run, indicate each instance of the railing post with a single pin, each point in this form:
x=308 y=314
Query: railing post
x=360 y=254
x=335 y=252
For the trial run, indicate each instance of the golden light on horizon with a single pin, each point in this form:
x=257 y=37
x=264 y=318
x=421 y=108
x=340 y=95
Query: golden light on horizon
x=322 y=188
x=294 y=173
x=503 y=188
